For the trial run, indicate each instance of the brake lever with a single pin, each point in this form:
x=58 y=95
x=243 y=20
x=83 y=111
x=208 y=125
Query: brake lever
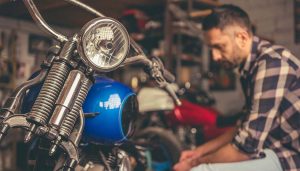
x=172 y=93
x=154 y=68
x=165 y=73
x=157 y=72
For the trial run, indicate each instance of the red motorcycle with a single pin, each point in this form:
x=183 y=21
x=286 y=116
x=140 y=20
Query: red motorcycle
x=171 y=128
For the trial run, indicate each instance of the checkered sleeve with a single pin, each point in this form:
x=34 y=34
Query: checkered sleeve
x=271 y=82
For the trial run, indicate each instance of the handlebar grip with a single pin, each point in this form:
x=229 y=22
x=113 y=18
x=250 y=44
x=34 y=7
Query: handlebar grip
x=168 y=76
x=172 y=93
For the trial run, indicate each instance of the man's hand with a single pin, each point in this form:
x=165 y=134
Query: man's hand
x=184 y=165
x=191 y=154
x=187 y=160
x=192 y=158
x=187 y=154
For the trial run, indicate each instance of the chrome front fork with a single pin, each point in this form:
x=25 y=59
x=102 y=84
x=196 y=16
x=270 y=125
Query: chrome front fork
x=57 y=107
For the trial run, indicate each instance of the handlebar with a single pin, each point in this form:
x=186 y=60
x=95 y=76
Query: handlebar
x=148 y=63
x=137 y=59
x=155 y=66
x=168 y=76
x=85 y=7
x=156 y=70
x=35 y=14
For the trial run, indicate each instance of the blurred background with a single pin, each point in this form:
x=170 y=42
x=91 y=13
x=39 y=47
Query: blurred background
x=168 y=29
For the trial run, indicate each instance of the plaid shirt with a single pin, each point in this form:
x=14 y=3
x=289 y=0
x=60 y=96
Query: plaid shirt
x=271 y=81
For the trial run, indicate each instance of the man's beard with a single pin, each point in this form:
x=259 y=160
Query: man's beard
x=227 y=65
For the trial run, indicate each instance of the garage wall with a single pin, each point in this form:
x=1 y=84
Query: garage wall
x=22 y=30
x=274 y=19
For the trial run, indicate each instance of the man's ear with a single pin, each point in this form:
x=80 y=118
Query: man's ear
x=241 y=38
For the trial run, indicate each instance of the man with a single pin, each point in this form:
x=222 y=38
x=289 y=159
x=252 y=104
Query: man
x=267 y=138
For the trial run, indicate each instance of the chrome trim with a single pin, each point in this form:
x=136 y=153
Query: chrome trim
x=58 y=115
x=67 y=97
x=124 y=163
x=68 y=48
x=137 y=59
x=69 y=121
x=80 y=129
x=71 y=87
x=136 y=47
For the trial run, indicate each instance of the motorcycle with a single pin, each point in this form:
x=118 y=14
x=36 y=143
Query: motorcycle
x=178 y=127
x=79 y=121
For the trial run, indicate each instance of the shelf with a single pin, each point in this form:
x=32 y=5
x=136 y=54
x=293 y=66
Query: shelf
x=197 y=4
x=185 y=31
x=213 y=3
x=200 y=13
x=191 y=58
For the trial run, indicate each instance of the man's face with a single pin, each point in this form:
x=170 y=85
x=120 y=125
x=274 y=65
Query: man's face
x=224 y=47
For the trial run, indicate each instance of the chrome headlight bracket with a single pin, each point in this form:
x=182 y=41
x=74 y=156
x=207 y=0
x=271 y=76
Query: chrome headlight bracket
x=103 y=44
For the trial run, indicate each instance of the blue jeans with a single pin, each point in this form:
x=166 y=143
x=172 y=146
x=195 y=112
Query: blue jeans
x=269 y=163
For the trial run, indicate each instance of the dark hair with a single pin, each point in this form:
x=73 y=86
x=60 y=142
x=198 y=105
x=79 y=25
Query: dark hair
x=226 y=15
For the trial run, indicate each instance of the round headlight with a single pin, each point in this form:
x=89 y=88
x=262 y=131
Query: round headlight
x=103 y=44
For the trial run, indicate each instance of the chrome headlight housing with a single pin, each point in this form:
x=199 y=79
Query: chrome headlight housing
x=103 y=44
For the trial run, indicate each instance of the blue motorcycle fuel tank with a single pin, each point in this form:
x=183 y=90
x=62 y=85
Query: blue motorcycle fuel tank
x=110 y=111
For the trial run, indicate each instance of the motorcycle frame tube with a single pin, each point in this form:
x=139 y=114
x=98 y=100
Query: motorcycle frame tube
x=67 y=97
x=13 y=102
x=80 y=129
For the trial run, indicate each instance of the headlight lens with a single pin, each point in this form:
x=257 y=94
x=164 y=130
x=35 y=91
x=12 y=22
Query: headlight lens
x=104 y=44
